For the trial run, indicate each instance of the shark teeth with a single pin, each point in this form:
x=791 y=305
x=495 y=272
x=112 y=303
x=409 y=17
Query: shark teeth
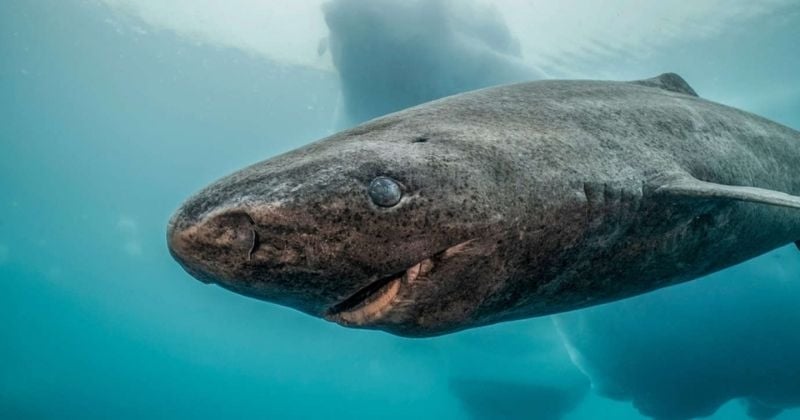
x=377 y=306
x=378 y=298
x=413 y=272
x=372 y=302
x=420 y=269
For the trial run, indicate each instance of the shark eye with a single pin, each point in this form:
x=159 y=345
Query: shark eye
x=384 y=191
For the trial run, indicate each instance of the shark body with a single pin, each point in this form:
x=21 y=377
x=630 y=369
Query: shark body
x=499 y=204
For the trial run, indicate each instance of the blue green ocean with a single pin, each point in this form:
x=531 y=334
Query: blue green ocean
x=113 y=112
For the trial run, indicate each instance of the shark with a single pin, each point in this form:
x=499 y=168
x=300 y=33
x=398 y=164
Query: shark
x=500 y=204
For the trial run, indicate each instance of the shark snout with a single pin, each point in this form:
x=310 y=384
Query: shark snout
x=213 y=247
x=257 y=251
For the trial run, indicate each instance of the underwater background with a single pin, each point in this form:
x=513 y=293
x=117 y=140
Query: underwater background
x=114 y=111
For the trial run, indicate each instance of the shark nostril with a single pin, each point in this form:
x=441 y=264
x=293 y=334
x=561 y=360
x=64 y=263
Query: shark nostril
x=254 y=245
x=214 y=247
x=235 y=231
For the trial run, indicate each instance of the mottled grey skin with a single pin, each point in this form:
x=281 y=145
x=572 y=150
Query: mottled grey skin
x=521 y=200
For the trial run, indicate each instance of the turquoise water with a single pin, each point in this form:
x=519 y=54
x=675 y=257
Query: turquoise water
x=109 y=122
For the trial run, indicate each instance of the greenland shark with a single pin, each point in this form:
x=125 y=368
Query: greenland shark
x=500 y=204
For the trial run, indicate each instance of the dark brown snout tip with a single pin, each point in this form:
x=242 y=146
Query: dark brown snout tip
x=179 y=243
x=212 y=246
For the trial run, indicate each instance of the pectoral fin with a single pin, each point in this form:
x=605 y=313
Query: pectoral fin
x=691 y=187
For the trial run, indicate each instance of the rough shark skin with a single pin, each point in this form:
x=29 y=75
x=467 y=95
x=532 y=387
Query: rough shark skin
x=518 y=201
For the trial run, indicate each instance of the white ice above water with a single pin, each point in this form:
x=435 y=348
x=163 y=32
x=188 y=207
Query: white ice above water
x=553 y=35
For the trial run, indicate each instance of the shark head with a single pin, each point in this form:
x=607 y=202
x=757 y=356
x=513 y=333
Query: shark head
x=391 y=225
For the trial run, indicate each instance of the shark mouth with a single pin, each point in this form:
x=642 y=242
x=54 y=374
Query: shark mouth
x=377 y=298
x=374 y=300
